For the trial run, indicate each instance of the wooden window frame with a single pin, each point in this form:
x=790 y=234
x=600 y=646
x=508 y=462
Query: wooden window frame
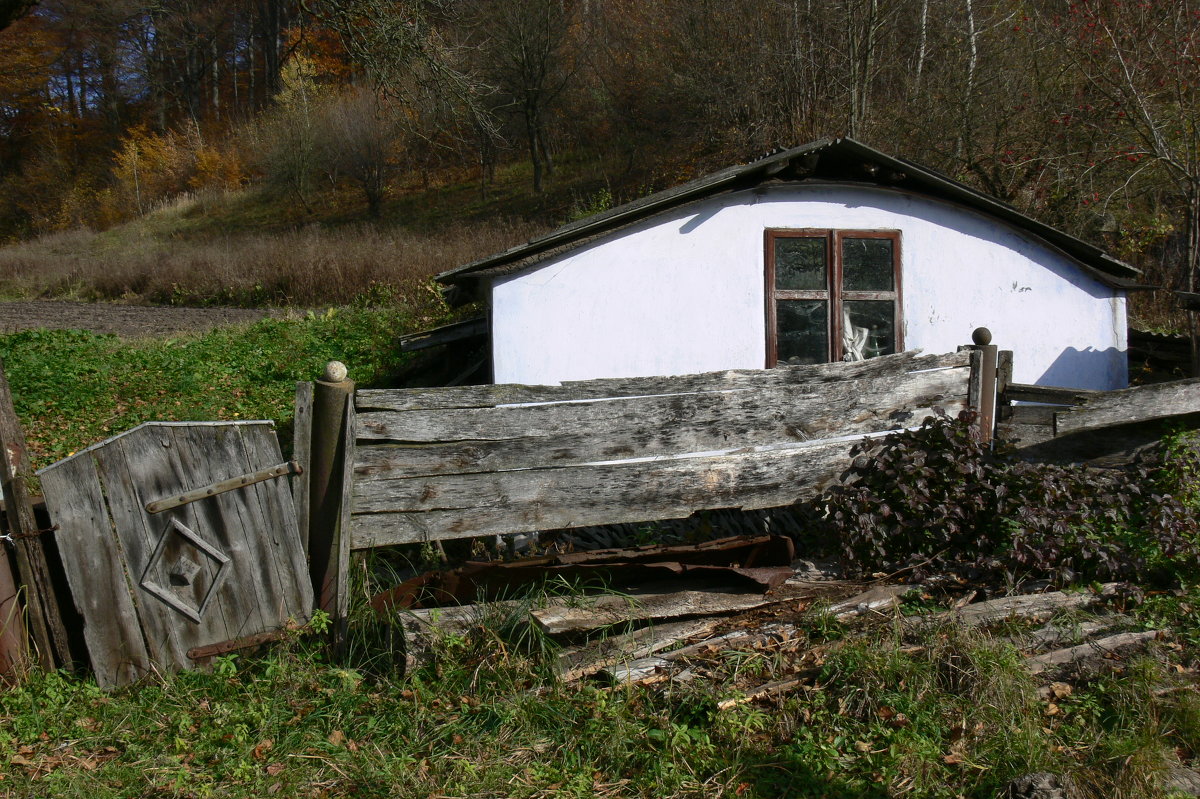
x=833 y=293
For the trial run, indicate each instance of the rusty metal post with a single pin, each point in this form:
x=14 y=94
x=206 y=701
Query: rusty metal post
x=14 y=640
x=41 y=601
x=982 y=386
x=328 y=486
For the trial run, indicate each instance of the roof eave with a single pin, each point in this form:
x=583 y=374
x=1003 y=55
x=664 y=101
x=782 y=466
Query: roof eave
x=639 y=209
x=1104 y=267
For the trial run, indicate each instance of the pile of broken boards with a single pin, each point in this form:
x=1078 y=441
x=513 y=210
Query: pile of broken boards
x=659 y=614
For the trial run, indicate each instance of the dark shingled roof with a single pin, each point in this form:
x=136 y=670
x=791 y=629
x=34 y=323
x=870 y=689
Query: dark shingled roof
x=829 y=160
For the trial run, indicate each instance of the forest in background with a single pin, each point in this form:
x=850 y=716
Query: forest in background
x=1083 y=114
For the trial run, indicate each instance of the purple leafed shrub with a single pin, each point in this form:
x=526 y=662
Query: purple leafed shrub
x=937 y=499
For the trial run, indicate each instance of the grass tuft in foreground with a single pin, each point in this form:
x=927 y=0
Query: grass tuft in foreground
x=943 y=712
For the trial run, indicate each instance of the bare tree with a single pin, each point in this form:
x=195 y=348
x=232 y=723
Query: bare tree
x=523 y=48
x=1141 y=95
x=359 y=136
x=406 y=58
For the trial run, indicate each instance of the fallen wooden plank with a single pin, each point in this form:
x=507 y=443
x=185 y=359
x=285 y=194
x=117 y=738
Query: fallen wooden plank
x=507 y=394
x=1119 y=644
x=579 y=662
x=878 y=598
x=1053 y=635
x=1024 y=606
x=761 y=692
x=1130 y=405
x=609 y=610
x=773 y=633
x=637 y=671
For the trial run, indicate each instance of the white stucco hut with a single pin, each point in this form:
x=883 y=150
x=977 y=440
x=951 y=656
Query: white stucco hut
x=828 y=251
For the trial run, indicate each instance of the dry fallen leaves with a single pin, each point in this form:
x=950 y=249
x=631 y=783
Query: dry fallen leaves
x=260 y=751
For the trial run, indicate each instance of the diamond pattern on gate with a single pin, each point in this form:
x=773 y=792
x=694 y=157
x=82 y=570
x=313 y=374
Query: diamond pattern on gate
x=185 y=571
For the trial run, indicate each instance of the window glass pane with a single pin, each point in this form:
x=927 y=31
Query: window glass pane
x=800 y=264
x=868 y=329
x=802 y=331
x=867 y=265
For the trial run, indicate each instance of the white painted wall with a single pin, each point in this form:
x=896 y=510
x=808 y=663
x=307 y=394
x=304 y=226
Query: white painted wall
x=684 y=292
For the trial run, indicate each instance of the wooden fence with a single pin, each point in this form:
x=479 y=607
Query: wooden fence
x=180 y=541
x=1106 y=428
x=429 y=464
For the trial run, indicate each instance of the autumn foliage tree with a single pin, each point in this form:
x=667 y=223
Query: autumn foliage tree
x=1080 y=112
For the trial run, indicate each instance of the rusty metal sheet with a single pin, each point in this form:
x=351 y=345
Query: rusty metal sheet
x=761 y=561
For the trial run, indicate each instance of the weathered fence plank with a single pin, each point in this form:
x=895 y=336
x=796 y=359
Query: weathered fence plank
x=114 y=638
x=503 y=459
x=610 y=442
x=403 y=511
x=1051 y=395
x=1129 y=405
x=605 y=388
x=694 y=421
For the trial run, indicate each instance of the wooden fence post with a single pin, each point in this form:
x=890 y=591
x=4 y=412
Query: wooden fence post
x=41 y=602
x=302 y=454
x=982 y=385
x=331 y=460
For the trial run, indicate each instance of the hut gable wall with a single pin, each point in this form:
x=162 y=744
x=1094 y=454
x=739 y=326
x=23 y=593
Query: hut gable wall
x=684 y=292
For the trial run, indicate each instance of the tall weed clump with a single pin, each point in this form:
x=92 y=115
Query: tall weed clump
x=937 y=498
x=312 y=267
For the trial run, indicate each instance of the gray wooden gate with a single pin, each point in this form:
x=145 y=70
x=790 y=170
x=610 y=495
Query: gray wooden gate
x=176 y=539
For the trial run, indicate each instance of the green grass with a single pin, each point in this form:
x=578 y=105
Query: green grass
x=881 y=712
x=73 y=388
x=952 y=715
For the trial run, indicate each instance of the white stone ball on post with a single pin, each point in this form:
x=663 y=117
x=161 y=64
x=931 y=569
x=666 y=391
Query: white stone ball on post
x=335 y=372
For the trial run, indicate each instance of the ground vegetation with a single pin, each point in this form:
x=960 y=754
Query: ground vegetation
x=875 y=704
